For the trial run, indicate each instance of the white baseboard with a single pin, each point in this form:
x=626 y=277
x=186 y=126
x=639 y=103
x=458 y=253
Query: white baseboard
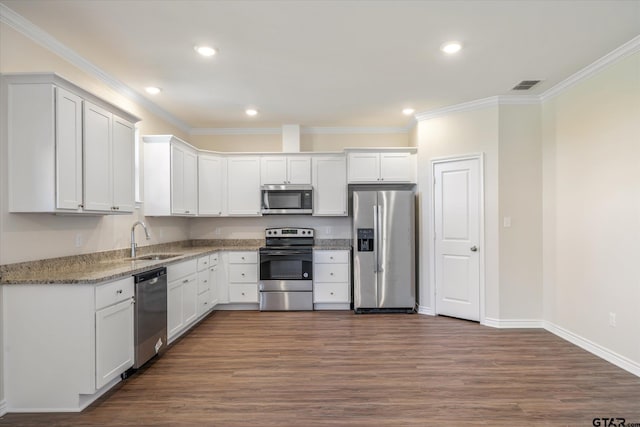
x=423 y=309
x=3 y=407
x=591 y=347
x=513 y=323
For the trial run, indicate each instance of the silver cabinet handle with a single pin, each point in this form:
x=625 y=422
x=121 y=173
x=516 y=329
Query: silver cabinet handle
x=474 y=249
x=119 y=291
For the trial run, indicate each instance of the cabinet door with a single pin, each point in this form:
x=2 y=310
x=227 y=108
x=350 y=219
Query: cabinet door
x=174 y=309
x=97 y=159
x=177 y=180
x=189 y=300
x=209 y=185
x=190 y=190
x=364 y=167
x=299 y=170
x=330 y=186
x=213 y=285
x=395 y=167
x=123 y=165
x=114 y=341
x=243 y=178
x=68 y=129
x=273 y=170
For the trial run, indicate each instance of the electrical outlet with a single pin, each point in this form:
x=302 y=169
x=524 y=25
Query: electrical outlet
x=78 y=240
x=612 y=319
x=327 y=231
x=217 y=231
x=506 y=222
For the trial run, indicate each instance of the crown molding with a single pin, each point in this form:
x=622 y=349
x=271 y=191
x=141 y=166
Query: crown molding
x=235 y=131
x=629 y=48
x=353 y=130
x=303 y=130
x=30 y=30
x=458 y=108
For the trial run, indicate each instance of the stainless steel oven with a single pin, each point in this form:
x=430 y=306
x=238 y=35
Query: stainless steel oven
x=286 y=270
x=287 y=199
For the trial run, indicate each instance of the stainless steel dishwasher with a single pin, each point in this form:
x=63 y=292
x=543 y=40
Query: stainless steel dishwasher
x=150 y=320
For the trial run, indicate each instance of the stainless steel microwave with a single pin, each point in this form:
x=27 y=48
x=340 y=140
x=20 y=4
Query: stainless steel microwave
x=287 y=199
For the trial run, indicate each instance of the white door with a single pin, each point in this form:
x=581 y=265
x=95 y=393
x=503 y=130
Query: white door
x=457 y=238
x=98 y=193
x=68 y=150
x=330 y=186
x=190 y=182
x=123 y=165
x=174 y=308
x=299 y=170
x=209 y=185
x=273 y=170
x=243 y=184
x=177 y=180
x=364 y=167
x=395 y=167
x=114 y=341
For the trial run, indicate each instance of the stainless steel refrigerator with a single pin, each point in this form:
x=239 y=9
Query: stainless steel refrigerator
x=384 y=272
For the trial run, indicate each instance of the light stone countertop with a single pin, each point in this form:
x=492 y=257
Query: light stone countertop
x=110 y=265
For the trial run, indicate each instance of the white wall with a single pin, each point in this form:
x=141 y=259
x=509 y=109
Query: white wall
x=592 y=208
x=520 y=199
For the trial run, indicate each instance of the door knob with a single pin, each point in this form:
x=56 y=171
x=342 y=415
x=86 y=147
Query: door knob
x=474 y=249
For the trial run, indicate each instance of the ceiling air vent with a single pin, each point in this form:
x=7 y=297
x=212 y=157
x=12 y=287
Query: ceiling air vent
x=526 y=84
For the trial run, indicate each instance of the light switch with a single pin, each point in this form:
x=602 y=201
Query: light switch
x=506 y=222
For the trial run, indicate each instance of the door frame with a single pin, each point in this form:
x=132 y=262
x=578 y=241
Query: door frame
x=432 y=227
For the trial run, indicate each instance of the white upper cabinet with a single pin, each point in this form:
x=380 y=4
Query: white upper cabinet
x=390 y=166
x=329 y=185
x=210 y=184
x=285 y=170
x=243 y=185
x=108 y=161
x=56 y=131
x=170 y=176
x=184 y=180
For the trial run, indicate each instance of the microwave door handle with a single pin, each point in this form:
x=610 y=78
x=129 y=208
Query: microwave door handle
x=265 y=200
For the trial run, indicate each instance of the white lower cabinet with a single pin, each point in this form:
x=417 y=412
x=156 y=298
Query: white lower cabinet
x=331 y=280
x=182 y=297
x=114 y=341
x=65 y=344
x=242 y=273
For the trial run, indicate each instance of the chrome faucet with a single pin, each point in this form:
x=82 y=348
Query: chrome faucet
x=133 y=236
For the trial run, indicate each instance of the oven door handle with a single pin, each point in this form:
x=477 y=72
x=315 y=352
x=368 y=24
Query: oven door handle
x=285 y=253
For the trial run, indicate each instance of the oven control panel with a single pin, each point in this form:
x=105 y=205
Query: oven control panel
x=289 y=232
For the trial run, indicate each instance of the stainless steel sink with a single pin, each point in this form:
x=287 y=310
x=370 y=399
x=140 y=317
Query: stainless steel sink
x=155 y=257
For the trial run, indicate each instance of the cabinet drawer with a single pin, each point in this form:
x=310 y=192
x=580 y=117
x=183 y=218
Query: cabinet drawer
x=213 y=259
x=331 y=292
x=243 y=293
x=203 y=262
x=176 y=271
x=239 y=273
x=243 y=257
x=331 y=257
x=204 y=303
x=331 y=273
x=114 y=292
x=203 y=281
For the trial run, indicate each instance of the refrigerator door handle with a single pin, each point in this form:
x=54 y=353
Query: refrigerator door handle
x=375 y=238
x=378 y=238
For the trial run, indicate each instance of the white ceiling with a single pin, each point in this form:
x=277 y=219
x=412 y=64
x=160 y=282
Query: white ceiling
x=331 y=63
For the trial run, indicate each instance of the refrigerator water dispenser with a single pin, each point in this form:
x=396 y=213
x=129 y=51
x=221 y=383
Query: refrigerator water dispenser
x=365 y=239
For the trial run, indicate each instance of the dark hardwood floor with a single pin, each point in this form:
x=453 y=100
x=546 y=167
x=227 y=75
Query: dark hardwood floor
x=341 y=369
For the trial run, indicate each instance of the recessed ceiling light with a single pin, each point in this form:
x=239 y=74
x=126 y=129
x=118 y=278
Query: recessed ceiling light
x=205 y=50
x=152 y=90
x=251 y=112
x=408 y=111
x=451 y=47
